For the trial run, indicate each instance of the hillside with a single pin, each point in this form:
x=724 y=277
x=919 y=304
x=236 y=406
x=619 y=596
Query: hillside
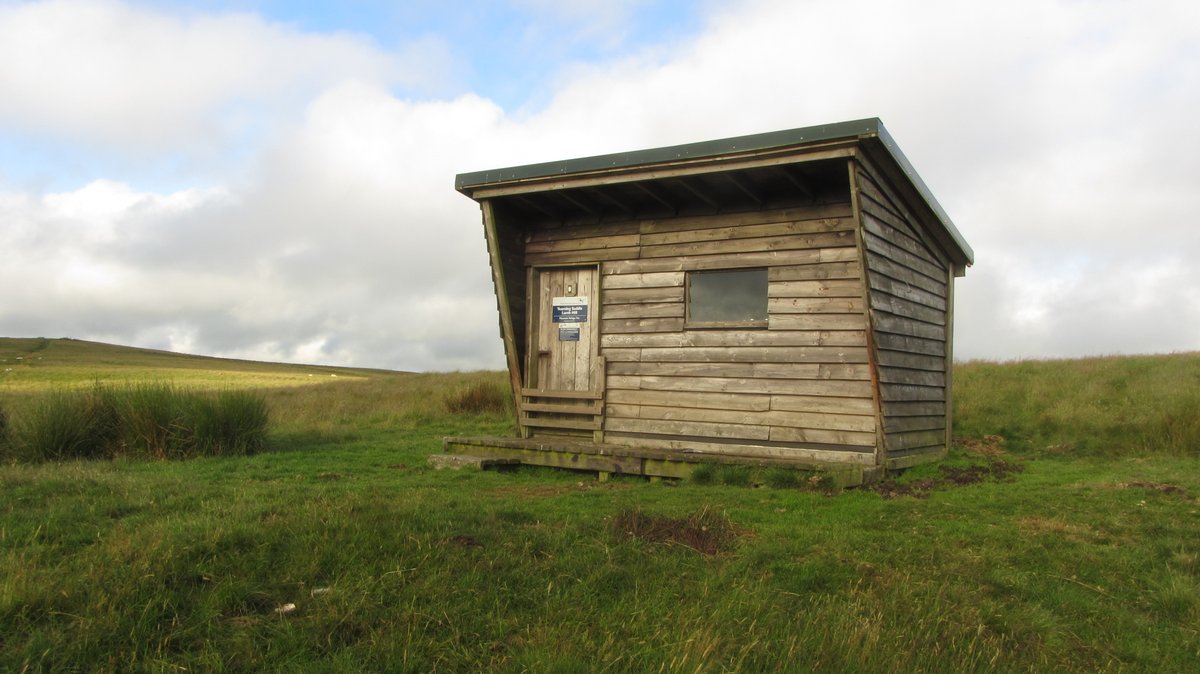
x=31 y=363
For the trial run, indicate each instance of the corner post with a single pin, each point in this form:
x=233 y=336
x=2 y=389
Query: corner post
x=502 y=304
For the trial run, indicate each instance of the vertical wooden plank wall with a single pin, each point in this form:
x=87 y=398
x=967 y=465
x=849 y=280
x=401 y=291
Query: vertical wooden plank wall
x=799 y=388
x=908 y=278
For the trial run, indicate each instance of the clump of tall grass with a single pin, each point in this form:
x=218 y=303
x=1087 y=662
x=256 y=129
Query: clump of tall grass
x=1115 y=406
x=478 y=397
x=158 y=421
x=3 y=431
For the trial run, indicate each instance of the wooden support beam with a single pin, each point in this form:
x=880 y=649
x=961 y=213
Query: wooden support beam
x=655 y=194
x=786 y=171
x=608 y=198
x=537 y=205
x=745 y=187
x=578 y=201
x=699 y=193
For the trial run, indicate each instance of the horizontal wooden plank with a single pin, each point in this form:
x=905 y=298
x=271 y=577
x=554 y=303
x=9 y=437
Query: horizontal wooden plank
x=829 y=422
x=911 y=361
x=821 y=288
x=566 y=395
x=738 y=338
x=880 y=201
x=904 y=343
x=887 y=226
x=747 y=219
x=821 y=404
x=757 y=354
x=907 y=392
x=914 y=409
x=719 y=401
x=902 y=307
x=677 y=369
x=815 y=387
x=580 y=256
x=814 y=305
x=642 y=295
x=767 y=243
x=647 y=310
x=905 y=424
x=592 y=424
x=830 y=322
x=616 y=355
x=815 y=272
x=731 y=232
x=850 y=455
x=562 y=408
x=694 y=428
x=583 y=243
x=914 y=439
x=907 y=291
x=878 y=264
x=895 y=375
x=809 y=435
x=651 y=280
x=585 y=231
x=642 y=325
x=730 y=261
x=900 y=325
x=900 y=256
x=749 y=370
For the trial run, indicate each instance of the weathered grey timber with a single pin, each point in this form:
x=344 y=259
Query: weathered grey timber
x=785 y=297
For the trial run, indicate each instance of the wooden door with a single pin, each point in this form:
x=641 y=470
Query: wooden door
x=566 y=337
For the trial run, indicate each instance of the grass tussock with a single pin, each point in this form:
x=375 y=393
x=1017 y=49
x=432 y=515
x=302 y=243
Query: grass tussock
x=157 y=421
x=704 y=531
x=478 y=397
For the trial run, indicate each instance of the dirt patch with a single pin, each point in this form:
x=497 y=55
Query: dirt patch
x=463 y=541
x=704 y=531
x=1160 y=487
x=1057 y=527
x=546 y=490
x=949 y=476
x=988 y=445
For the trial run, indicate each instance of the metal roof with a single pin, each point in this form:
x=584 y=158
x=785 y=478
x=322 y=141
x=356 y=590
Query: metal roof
x=861 y=130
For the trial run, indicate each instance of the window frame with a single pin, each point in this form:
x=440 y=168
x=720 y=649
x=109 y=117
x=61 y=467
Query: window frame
x=690 y=323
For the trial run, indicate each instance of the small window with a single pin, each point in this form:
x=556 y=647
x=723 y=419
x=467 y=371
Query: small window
x=727 y=298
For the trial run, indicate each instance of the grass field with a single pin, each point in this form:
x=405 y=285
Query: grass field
x=340 y=550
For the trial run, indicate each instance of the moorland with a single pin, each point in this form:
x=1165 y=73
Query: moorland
x=1061 y=534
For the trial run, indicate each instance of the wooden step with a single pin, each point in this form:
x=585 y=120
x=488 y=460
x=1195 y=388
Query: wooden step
x=459 y=461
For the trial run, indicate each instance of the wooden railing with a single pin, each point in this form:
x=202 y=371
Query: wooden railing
x=565 y=410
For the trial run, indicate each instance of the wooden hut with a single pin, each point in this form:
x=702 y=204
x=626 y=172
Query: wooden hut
x=785 y=297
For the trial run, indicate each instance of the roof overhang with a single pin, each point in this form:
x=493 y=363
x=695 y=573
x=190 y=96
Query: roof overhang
x=746 y=166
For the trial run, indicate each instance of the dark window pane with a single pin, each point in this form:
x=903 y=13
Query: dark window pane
x=724 y=296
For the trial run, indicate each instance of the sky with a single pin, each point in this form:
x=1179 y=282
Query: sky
x=274 y=180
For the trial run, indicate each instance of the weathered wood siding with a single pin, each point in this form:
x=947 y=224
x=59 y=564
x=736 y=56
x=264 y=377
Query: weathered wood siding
x=908 y=281
x=800 y=388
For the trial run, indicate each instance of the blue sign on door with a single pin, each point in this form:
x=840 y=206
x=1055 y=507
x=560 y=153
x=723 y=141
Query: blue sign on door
x=569 y=309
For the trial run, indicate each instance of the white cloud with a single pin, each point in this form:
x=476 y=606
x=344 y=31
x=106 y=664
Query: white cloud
x=1056 y=134
x=102 y=72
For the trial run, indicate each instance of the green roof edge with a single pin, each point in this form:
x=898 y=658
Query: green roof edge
x=859 y=128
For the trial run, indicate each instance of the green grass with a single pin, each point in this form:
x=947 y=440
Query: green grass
x=148 y=420
x=1085 y=561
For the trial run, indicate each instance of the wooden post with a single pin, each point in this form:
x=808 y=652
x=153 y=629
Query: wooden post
x=949 y=390
x=506 y=322
x=872 y=356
